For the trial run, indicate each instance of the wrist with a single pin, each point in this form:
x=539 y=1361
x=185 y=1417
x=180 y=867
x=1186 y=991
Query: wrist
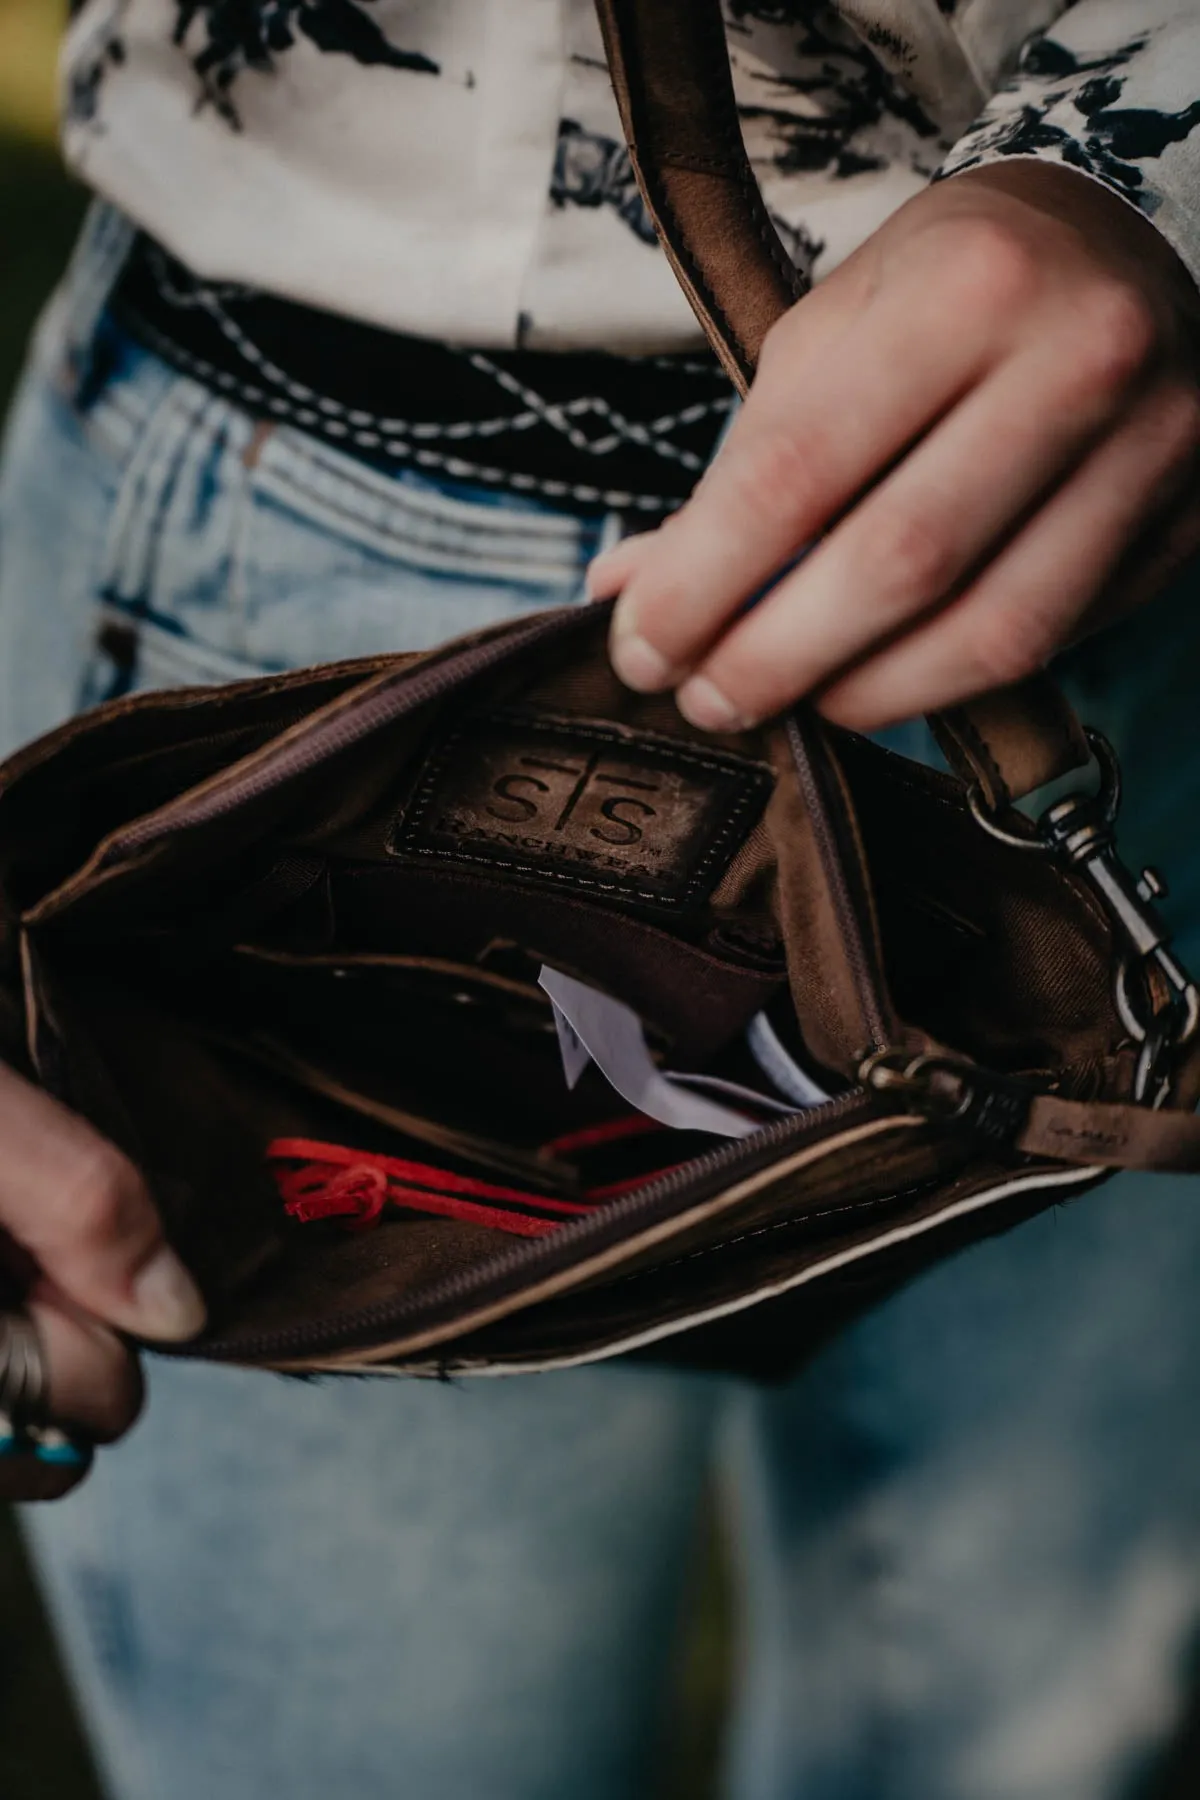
x=1107 y=221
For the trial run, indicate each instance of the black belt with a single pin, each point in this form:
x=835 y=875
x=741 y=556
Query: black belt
x=580 y=429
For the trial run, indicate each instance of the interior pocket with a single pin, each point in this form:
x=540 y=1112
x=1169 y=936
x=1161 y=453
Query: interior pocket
x=325 y=1132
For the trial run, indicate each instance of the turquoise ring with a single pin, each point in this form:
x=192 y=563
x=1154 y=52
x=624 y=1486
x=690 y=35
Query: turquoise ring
x=58 y=1450
x=24 y=1428
x=48 y=1445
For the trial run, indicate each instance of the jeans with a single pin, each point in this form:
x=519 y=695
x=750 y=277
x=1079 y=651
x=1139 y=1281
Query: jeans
x=967 y=1537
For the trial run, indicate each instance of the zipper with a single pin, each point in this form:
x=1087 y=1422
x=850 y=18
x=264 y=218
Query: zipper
x=867 y=979
x=401 y=694
x=532 y=1257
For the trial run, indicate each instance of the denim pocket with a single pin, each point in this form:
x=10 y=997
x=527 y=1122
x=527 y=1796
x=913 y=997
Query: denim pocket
x=63 y=480
x=337 y=558
x=153 y=534
x=235 y=550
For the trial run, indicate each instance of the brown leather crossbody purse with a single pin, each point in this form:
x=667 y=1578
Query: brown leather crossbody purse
x=285 y=942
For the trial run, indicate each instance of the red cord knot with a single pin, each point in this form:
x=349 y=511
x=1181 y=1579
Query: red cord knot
x=357 y=1194
x=316 y=1180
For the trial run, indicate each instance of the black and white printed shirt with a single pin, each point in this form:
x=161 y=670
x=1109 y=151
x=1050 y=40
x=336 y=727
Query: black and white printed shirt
x=454 y=168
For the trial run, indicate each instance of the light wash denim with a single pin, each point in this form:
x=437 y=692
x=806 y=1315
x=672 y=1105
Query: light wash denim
x=968 y=1537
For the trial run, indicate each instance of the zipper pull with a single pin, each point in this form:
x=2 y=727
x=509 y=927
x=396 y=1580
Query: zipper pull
x=978 y=1102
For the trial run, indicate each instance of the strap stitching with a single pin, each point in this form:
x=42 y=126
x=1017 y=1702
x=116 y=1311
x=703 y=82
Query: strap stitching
x=962 y=723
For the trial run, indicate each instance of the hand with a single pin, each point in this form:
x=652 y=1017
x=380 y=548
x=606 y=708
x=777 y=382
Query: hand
x=989 y=417
x=75 y=1214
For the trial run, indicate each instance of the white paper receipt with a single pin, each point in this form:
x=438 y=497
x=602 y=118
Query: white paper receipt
x=594 y=1027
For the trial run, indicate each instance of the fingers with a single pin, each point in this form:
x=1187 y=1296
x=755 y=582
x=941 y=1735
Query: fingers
x=1032 y=597
x=911 y=541
x=811 y=436
x=901 y=431
x=827 y=313
x=81 y=1210
x=608 y=573
x=95 y=1385
x=94 y=1393
x=76 y=1211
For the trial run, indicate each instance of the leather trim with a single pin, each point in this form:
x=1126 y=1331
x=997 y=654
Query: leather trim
x=1116 y=1136
x=1023 y=1184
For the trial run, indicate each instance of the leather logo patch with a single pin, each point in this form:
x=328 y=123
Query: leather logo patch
x=583 y=805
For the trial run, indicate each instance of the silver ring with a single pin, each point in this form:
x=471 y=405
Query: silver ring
x=23 y=1382
x=1109 y=797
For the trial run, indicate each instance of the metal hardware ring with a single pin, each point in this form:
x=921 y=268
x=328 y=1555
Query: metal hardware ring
x=1137 y=1029
x=1109 y=795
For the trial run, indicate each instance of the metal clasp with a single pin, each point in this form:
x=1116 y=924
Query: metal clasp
x=991 y=1107
x=1080 y=830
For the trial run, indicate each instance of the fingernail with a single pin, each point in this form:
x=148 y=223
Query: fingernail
x=639 y=665
x=703 y=704
x=168 y=1303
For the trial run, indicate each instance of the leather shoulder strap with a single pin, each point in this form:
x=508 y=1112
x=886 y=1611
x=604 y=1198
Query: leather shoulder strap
x=670 y=70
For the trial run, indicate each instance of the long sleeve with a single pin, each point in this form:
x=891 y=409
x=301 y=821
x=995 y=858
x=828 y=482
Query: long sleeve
x=1112 y=89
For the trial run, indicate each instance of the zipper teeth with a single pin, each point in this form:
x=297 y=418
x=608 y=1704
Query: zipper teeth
x=827 y=843
x=527 y=1258
x=376 y=711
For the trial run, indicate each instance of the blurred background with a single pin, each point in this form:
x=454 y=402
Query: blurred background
x=39 y=209
x=43 y=1755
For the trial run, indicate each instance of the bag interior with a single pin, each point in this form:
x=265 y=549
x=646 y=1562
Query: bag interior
x=348 y=960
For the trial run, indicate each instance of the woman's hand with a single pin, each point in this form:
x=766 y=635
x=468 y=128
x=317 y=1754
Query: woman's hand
x=989 y=417
x=75 y=1214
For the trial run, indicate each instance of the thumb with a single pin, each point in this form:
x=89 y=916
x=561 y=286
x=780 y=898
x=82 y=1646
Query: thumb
x=82 y=1212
